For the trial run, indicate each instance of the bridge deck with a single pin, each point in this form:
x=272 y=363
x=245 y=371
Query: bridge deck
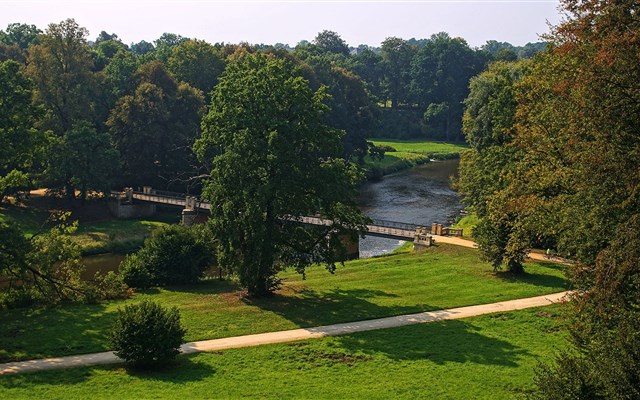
x=385 y=229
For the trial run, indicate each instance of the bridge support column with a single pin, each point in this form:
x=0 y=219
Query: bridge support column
x=189 y=216
x=422 y=239
x=352 y=247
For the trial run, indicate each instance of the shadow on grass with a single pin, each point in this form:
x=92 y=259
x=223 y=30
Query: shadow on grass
x=439 y=342
x=534 y=279
x=311 y=308
x=209 y=286
x=63 y=329
x=183 y=371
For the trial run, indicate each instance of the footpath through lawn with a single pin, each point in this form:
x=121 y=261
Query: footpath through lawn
x=444 y=276
x=491 y=356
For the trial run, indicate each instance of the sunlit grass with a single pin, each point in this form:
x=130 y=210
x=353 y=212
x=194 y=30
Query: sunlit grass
x=486 y=357
x=441 y=277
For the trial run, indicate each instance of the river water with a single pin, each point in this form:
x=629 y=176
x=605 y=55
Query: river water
x=421 y=195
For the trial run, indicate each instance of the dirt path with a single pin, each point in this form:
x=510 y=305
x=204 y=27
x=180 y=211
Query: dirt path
x=292 y=335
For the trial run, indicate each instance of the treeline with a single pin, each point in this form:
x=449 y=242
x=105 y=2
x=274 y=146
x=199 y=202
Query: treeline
x=553 y=164
x=80 y=115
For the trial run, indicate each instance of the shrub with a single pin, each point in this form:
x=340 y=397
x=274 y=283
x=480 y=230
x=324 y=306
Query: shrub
x=134 y=273
x=174 y=254
x=147 y=335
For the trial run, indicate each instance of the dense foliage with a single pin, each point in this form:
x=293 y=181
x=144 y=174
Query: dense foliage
x=175 y=254
x=146 y=100
x=273 y=161
x=46 y=269
x=554 y=164
x=147 y=335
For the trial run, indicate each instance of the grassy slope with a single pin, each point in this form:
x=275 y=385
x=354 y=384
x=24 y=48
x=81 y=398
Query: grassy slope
x=467 y=223
x=433 y=149
x=442 y=277
x=485 y=357
x=105 y=235
x=410 y=153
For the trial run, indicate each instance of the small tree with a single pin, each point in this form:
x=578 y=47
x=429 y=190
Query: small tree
x=147 y=335
x=175 y=254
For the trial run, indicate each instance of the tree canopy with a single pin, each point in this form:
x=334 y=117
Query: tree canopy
x=274 y=161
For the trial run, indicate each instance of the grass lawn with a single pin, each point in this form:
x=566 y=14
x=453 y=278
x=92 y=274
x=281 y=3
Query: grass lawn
x=114 y=235
x=97 y=231
x=441 y=277
x=433 y=149
x=467 y=223
x=486 y=357
x=408 y=154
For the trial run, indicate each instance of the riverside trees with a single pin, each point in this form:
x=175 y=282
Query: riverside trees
x=272 y=161
x=570 y=181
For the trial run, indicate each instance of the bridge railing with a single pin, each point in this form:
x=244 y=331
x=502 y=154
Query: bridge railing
x=395 y=225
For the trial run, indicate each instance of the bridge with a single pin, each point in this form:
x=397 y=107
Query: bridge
x=191 y=205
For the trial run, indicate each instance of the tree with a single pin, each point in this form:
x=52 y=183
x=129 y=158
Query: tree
x=440 y=73
x=273 y=161
x=61 y=68
x=175 y=254
x=22 y=35
x=155 y=127
x=141 y=48
x=331 y=42
x=396 y=55
x=20 y=143
x=165 y=44
x=82 y=159
x=196 y=62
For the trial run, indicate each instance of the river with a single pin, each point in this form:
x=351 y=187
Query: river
x=421 y=195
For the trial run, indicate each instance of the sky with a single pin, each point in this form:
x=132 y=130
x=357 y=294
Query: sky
x=290 y=21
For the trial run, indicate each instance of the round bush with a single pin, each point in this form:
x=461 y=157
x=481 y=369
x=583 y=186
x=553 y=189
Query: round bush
x=175 y=254
x=134 y=273
x=147 y=335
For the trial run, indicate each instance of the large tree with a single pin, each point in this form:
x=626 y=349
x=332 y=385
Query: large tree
x=396 y=57
x=60 y=67
x=155 y=127
x=82 y=159
x=273 y=161
x=489 y=127
x=196 y=62
x=440 y=82
x=20 y=143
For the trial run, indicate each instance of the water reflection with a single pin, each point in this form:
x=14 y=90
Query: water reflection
x=420 y=195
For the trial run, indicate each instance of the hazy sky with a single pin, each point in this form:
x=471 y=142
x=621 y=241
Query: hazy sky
x=270 y=22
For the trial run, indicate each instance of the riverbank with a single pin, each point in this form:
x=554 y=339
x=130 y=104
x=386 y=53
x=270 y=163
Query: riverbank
x=405 y=154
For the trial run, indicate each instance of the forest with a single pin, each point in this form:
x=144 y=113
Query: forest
x=86 y=115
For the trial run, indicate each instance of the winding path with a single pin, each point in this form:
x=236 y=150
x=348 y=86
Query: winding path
x=292 y=335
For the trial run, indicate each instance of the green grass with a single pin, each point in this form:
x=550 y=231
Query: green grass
x=94 y=237
x=114 y=235
x=486 y=357
x=467 y=223
x=432 y=149
x=408 y=154
x=442 y=277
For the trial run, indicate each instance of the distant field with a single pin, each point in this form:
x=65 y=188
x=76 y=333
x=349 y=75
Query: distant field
x=486 y=357
x=444 y=276
x=409 y=154
x=434 y=149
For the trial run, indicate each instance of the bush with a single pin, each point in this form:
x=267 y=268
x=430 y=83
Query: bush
x=134 y=273
x=147 y=335
x=174 y=254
